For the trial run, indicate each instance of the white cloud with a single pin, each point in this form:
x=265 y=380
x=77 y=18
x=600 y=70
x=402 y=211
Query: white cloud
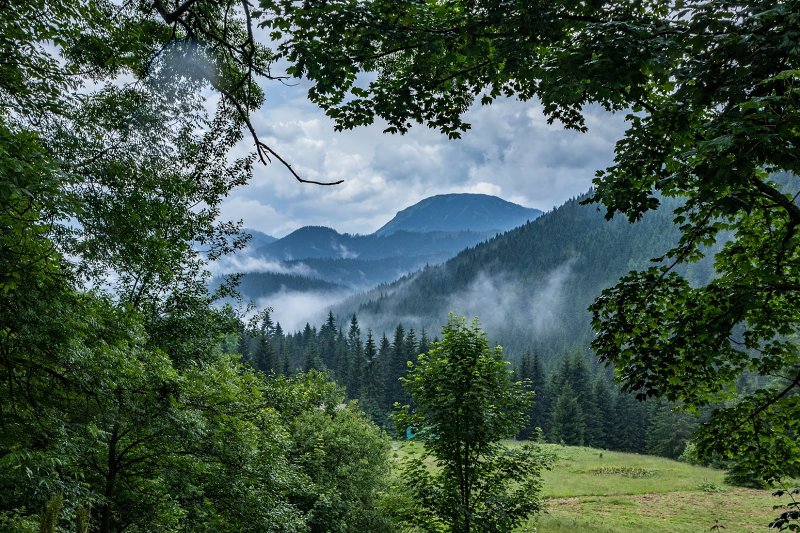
x=510 y=152
x=244 y=262
x=294 y=309
x=504 y=303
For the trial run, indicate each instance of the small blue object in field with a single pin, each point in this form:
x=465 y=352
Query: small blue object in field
x=410 y=433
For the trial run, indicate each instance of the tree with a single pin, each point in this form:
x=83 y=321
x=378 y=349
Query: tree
x=669 y=431
x=464 y=402
x=567 y=421
x=343 y=458
x=371 y=392
x=710 y=92
x=114 y=163
x=531 y=369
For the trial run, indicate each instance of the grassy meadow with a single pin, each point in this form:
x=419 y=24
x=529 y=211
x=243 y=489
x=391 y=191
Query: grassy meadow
x=599 y=491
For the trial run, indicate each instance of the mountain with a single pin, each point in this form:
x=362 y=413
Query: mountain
x=258 y=238
x=460 y=212
x=427 y=233
x=316 y=265
x=318 y=242
x=531 y=286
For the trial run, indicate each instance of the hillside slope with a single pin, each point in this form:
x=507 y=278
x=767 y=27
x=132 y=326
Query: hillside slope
x=531 y=286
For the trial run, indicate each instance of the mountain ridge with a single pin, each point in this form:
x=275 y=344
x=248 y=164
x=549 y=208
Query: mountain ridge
x=530 y=286
x=459 y=212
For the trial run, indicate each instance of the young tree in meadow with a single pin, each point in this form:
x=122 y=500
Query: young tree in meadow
x=464 y=401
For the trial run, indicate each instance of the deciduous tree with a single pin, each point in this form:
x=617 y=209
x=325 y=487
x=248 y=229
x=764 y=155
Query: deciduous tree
x=464 y=402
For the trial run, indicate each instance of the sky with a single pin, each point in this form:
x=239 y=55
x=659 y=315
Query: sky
x=510 y=152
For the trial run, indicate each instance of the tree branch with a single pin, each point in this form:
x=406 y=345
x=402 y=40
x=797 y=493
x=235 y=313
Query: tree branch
x=784 y=392
x=173 y=16
x=262 y=149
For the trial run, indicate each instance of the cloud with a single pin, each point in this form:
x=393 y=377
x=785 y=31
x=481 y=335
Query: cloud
x=344 y=252
x=293 y=309
x=504 y=303
x=246 y=262
x=510 y=152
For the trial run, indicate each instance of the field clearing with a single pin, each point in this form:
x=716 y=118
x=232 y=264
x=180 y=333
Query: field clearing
x=592 y=490
x=599 y=491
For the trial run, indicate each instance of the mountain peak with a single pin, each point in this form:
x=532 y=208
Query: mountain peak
x=459 y=212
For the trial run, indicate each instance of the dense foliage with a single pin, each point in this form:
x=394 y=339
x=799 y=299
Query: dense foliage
x=118 y=410
x=577 y=402
x=710 y=88
x=463 y=402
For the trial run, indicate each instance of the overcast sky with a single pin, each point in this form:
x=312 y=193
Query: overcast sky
x=510 y=152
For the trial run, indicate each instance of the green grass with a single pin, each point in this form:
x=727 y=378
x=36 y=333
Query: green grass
x=611 y=492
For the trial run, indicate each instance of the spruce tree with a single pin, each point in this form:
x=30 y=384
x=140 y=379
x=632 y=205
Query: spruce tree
x=567 y=424
x=384 y=355
x=355 y=358
x=327 y=342
x=396 y=367
x=604 y=401
x=630 y=423
x=541 y=400
x=263 y=358
x=371 y=394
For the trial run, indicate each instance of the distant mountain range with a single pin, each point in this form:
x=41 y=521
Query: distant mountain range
x=531 y=286
x=427 y=233
x=460 y=212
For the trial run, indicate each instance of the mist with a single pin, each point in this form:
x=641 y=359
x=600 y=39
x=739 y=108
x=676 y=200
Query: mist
x=293 y=309
x=502 y=302
x=236 y=263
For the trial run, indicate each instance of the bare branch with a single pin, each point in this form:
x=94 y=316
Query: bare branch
x=262 y=149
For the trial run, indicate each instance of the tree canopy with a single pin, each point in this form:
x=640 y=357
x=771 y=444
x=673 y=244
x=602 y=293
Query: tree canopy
x=710 y=89
x=464 y=401
x=117 y=121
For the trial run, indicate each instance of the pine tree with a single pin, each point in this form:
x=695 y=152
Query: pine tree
x=279 y=340
x=410 y=346
x=371 y=394
x=243 y=346
x=604 y=402
x=532 y=371
x=384 y=356
x=567 y=424
x=263 y=358
x=396 y=367
x=327 y=343
x=355 y=358
x=668 y=431
x=582 y=384
x=541 y=400
x=424 y=343
x=630 y=423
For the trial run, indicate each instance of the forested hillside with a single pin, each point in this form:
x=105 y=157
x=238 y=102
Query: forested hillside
x=530 y=286
x=576 y=402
